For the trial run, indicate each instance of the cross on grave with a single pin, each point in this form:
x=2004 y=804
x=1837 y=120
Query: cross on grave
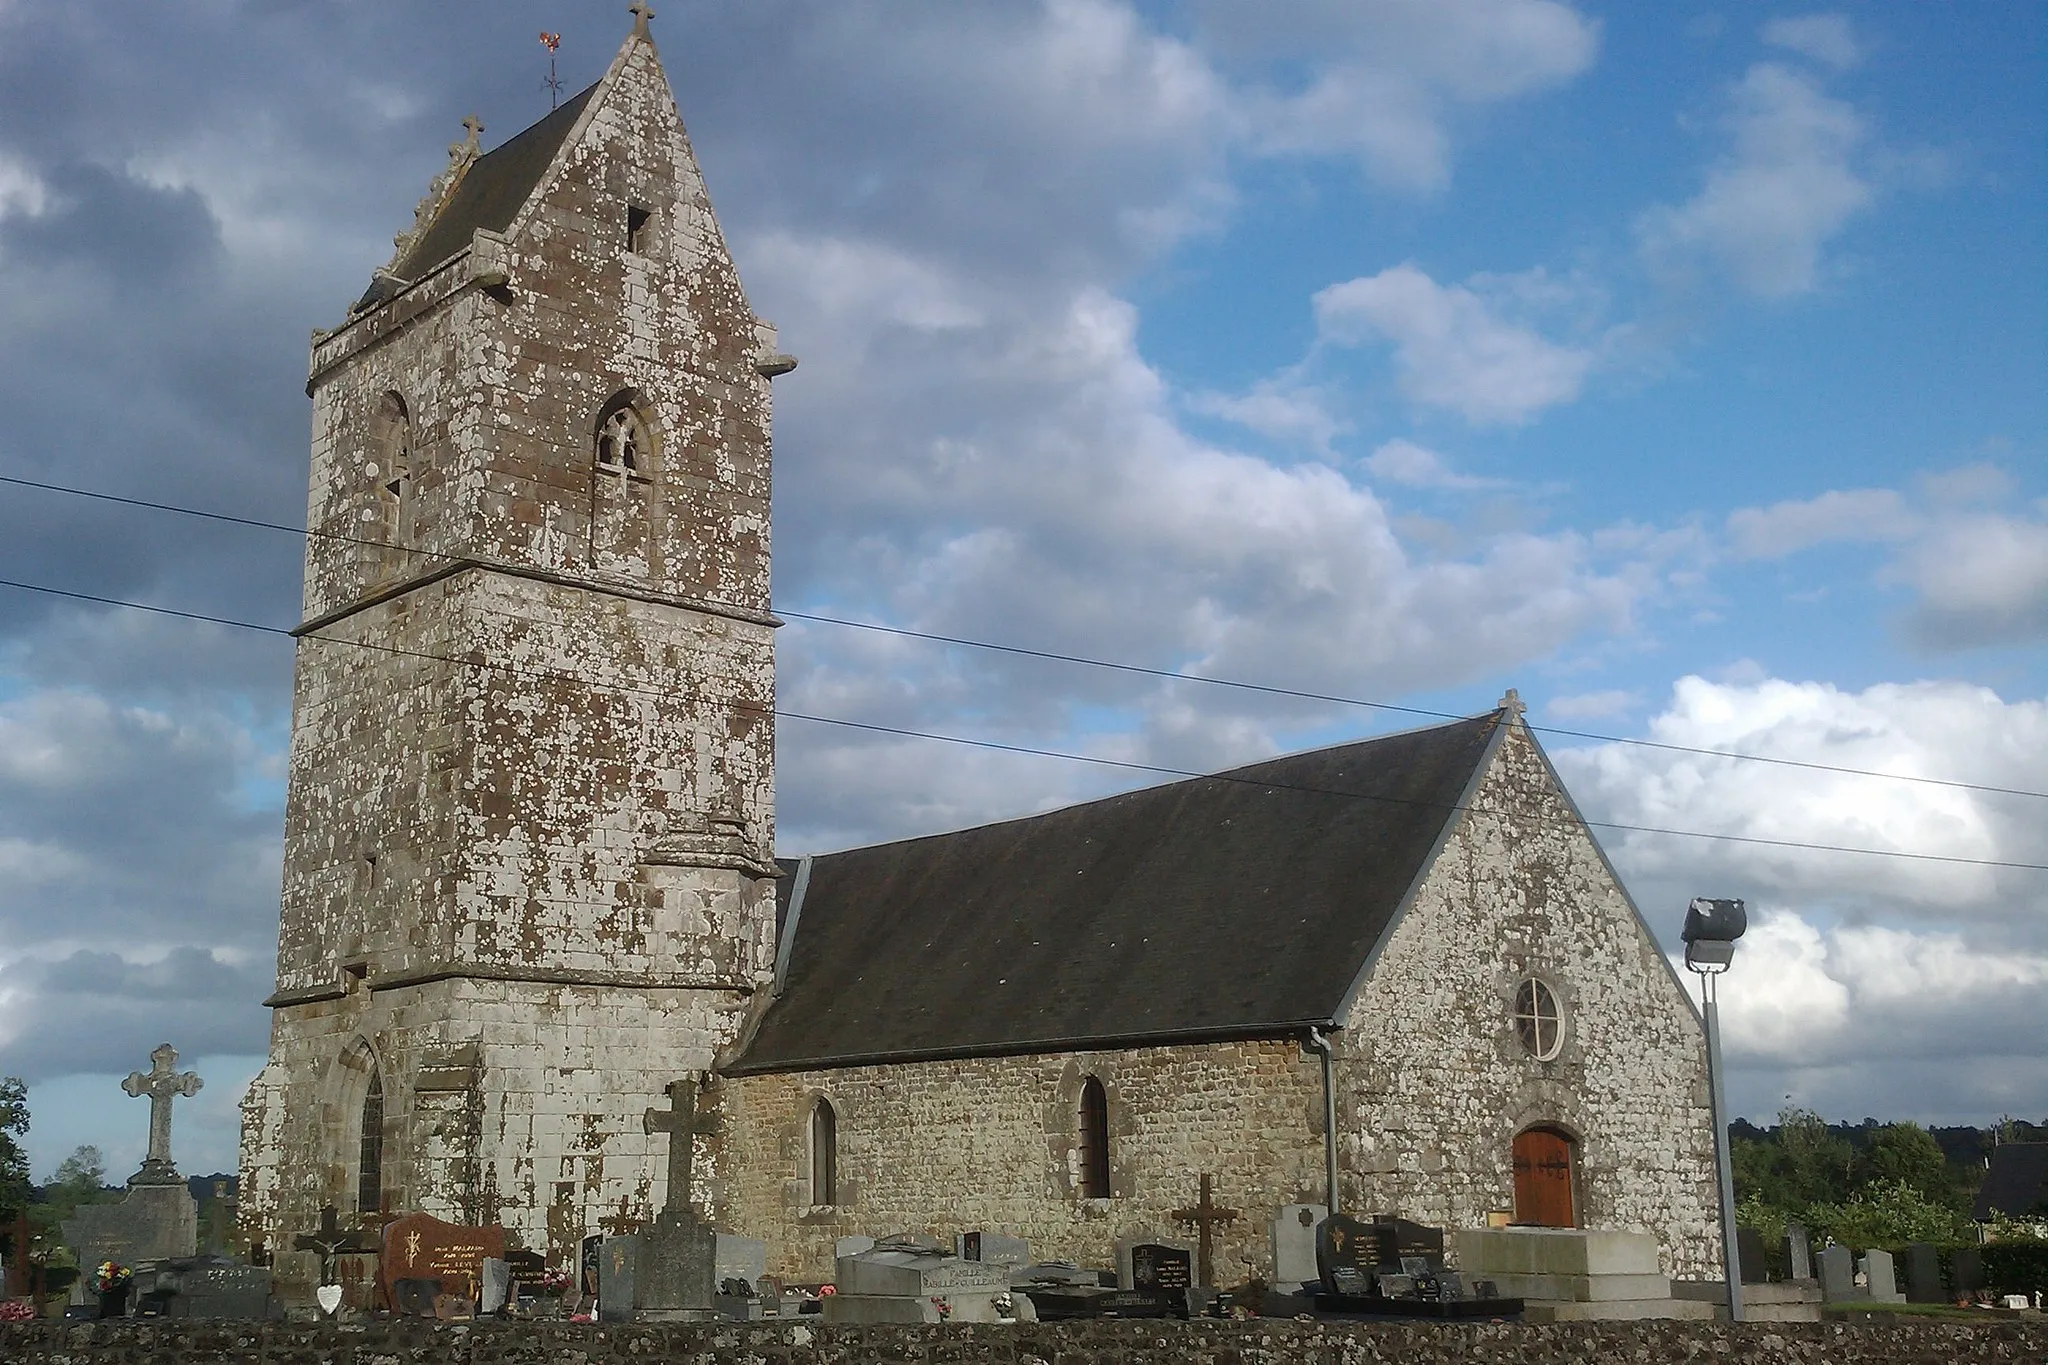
x=161 y=1083
x=681 y=1123
x=331 y=1239
x=641 y=12
x=1205 y=1215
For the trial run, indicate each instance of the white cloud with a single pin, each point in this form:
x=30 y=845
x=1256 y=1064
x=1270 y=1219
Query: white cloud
x=1453 y=348
x=1385 y=78
x=1981 y=580
x=1827 y=38
x=1402 y=461
x=22 y=191
x=1787 y=187
x=1862 y=514
x=1282 y=408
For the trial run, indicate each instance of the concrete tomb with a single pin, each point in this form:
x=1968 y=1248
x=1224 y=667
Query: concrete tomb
x=995 y=1248
x=1575 y=1274
x=1294 y=1243
x=908 y=1281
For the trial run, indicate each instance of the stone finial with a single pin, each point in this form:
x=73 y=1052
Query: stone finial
x=641 y=12
x=1512 y=704
x=474 y=126
x=161 y=1083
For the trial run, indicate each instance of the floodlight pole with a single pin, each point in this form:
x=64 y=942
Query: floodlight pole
x=1730 y=1253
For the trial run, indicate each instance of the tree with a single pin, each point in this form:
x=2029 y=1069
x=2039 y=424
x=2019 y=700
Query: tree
x=1905 y=1153
x=13 y=1160
x=81 y=1179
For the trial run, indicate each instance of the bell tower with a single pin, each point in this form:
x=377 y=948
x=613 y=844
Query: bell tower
x=528 y=878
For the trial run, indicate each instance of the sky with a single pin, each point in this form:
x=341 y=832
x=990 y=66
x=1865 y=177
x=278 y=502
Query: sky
x=1682 y=366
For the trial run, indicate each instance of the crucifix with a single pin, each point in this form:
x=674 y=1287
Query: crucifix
x=331 y=1239
x=682 y=1124
x=1205 y=1215
x=161 y=1083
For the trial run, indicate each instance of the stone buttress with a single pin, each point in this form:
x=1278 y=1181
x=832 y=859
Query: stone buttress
x=527 y=876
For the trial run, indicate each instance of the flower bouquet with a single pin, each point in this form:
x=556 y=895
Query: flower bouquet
x=110 y=1280
x=14 y=1310
x=555 y=1281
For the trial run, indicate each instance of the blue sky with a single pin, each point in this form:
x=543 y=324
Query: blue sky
x=1682 y=366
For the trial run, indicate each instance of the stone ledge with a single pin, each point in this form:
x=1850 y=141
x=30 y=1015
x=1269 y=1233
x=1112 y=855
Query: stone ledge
x=1259 y=1342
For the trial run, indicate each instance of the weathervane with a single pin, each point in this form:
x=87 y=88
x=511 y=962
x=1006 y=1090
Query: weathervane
x=552 y=41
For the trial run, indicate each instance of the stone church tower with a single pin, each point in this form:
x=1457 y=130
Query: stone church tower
x=528 y=876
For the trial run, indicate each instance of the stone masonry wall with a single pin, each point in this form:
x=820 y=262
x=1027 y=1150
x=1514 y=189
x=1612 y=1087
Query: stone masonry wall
x=1904 y=1342
x=942 y=1147
x=531 y=799
x=1435 y=1082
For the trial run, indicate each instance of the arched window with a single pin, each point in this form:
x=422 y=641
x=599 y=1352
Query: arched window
x=1094 y=1140
x=824 y=1153
x=621 y=486
x=392 y=442
x=1537 y=1020
x=370 y=1164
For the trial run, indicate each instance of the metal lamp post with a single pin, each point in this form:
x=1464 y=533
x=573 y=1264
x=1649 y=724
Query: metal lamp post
x=1711 y=928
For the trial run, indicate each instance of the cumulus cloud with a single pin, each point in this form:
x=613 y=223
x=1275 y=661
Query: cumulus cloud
x=1454 y=349
x=1790 y=183
x=1862 y=514
x=1827 y=38
x=1283 y=408
x=1981 y=580
x=1382 y=80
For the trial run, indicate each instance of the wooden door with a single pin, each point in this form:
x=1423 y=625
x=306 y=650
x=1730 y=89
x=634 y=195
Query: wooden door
x=1543 y=1179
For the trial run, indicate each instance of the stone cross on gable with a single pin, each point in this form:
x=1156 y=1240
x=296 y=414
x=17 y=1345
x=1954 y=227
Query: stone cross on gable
x=1513 y=704
x=641 y=12
x=682 y=1124
x=1205 y=1215
x=161 y=1083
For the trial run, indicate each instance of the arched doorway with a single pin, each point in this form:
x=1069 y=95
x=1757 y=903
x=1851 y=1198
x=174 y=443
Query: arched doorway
x=1545 y=1164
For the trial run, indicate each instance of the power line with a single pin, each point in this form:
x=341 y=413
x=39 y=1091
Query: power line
x=1055 y=656
x=1127 y=764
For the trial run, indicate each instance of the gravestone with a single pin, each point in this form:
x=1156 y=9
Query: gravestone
x=905 y=1281
x=1923 y=1274
x=740 y=1258
x=587 y=1257
x=851 y=1246
x=1966 y=1270
x=1880 y=1278
x=1400 y=1239
x=215 y=1287
x=420 y=1246
x=1154 y=1265
x=1348 y=1253
x=1837 y=1275
x=677 y=1276
x=495 y=1286
x=1054 y=1272
x=1798 y=1252
x=158 y=1220
x=1294 y=1243
x=1749 y=1256
x=995 y=1248
x=618 y=1266
x=412 y=1297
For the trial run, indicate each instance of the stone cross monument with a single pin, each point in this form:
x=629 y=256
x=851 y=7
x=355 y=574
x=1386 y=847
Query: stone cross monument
x=162 y=1082
x=682 y=1125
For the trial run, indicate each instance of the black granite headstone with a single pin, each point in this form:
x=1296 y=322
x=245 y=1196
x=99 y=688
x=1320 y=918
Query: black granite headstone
x=1399 y=1239
x=1155 y=1266
x=1347 y=1252
x=1923 y=1274
x=1966 y=1270
x=1749 y=1254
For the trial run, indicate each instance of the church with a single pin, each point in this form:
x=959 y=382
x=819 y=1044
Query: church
x=531 y=876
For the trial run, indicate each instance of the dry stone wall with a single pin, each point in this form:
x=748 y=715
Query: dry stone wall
x=1435 y=1081
x=1904 y=1342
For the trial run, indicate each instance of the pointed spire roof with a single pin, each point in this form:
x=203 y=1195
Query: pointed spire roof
x=489 y=194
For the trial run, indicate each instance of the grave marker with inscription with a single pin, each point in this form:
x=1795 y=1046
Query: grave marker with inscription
x=420 y=1246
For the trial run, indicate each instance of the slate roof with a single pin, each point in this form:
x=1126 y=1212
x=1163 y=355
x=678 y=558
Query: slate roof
x=489 y=195
x=2017 y=1183
x=1239 y=905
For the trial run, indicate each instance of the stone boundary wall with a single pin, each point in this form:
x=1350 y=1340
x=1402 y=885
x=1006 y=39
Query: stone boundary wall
x=1904 y=1342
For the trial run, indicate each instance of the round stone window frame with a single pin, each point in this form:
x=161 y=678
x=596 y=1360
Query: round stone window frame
x=1539 y=1018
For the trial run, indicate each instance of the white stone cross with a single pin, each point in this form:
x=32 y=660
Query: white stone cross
x=161 y=1083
